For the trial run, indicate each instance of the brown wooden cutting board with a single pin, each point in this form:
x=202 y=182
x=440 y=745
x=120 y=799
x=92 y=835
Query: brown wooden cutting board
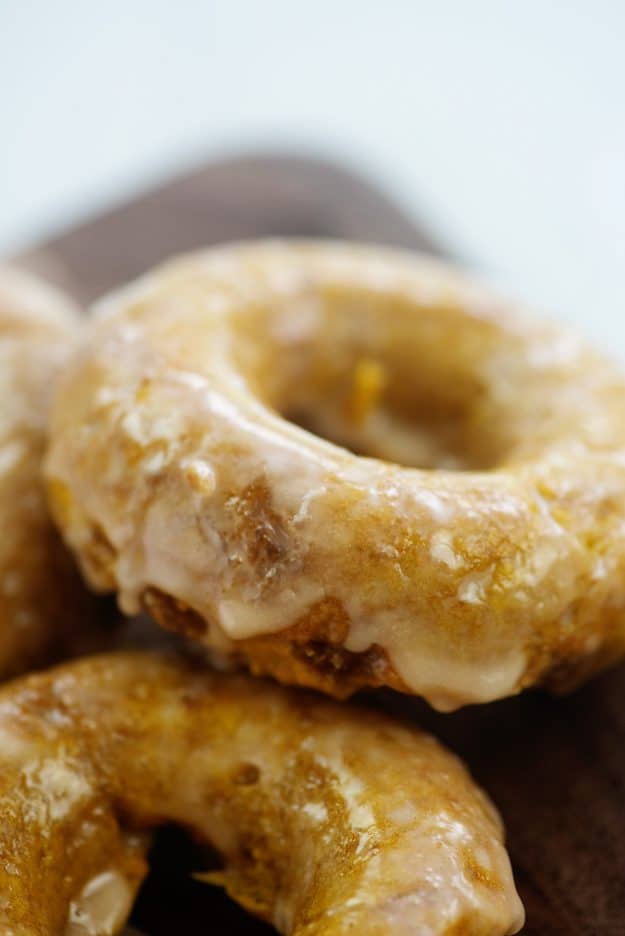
x=555 y=768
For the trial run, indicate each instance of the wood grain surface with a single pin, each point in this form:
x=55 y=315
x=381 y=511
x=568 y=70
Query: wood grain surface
x=555 y=767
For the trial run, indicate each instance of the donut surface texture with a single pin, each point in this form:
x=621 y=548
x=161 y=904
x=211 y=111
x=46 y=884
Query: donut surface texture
x=349 y=466
x=330 y=820
x=41 y=595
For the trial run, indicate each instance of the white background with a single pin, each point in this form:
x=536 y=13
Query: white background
x=502 y=124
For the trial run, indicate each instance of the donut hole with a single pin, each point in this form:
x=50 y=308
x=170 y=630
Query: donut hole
x=402 y=384
x=421 y=433
x=395 y=375
x=173 y=899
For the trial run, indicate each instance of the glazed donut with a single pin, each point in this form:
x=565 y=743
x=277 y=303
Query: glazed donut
x=41 y=595
x=461 y=535
x=329 y=819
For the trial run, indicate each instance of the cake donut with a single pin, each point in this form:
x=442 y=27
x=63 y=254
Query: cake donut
x=329 y=820
x=42 y=597
x=349 y=466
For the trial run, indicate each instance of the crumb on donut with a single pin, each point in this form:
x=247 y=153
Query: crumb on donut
x=368 y=382
x=259 y=536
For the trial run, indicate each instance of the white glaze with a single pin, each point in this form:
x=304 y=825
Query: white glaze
x=103 y=906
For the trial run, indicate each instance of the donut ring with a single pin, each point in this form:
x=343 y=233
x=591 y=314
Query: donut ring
x=41 y=595
x=490 y=559
x=329 y=819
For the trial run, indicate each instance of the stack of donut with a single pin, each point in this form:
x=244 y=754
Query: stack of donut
x=334 y=465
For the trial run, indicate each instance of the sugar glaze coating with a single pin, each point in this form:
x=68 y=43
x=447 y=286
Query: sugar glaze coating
x=476 y=550
x=330 y=820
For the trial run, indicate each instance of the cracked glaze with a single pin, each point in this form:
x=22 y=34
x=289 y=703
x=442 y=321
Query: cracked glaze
x=329 y=819
x=477 y=550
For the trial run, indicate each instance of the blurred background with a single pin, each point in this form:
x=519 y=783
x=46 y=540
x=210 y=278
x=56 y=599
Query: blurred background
x=499 y=124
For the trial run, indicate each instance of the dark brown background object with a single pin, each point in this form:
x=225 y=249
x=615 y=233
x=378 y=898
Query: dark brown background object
x=555 y=768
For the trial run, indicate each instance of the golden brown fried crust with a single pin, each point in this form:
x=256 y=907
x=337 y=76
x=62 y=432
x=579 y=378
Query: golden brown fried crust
x=44 y=607
x=310 y=653
x=479 y=551
x=329 y=819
